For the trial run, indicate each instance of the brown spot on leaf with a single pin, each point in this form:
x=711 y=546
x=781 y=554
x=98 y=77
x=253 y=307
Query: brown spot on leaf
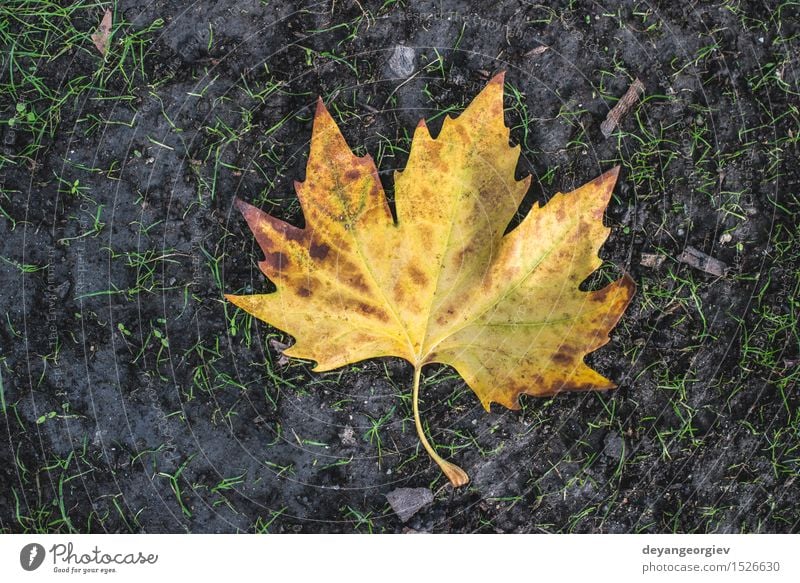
x=463 y=253
x=562 y=357
x=314 y=169
x=304 y=292
x=445 y=318
x=417 y=276
x=357 y=282
x=265 y=242
x=375 y=189
x=352 y=174
x=601 y=295
x=292 y=233
x=277 y=261
x=440 y=164
x=578 y=234
x=319 y=251
x=496 y=110
x=368 y=310
x=463 y=134
x=426 y=235
x=399 y=292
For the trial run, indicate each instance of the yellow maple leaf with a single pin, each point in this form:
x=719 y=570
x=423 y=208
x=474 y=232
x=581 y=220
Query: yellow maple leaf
x=442 y=283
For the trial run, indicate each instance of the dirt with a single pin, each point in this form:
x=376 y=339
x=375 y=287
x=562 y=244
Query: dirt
x=136 y=399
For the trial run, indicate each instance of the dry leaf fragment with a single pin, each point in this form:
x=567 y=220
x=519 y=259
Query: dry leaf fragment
x=100 y=38
x=348 y=436
x=702 y=261
x=538 y=50
x=651 y=260
x=406 y=502
x=442 y=283
x=279 y=347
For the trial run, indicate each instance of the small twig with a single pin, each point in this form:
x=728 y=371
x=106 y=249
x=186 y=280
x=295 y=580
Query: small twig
x=396 y=89
x=619 y=111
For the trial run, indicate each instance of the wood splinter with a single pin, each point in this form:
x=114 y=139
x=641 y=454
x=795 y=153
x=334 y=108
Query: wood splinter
x=620 y=110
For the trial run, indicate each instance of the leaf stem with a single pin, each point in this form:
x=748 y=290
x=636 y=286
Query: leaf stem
x=456 y=475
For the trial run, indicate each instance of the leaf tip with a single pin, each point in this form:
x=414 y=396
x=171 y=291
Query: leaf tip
x=608 y=178
x=606 y=181
x=599 y=190
x=629 y=284
x=251 y=214
x=321 y=124
x=498 y=79
x=320 y=109
x=243 y=207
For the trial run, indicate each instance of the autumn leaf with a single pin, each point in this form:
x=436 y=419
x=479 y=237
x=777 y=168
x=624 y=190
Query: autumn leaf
x=100 y=38
x=443 y=283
